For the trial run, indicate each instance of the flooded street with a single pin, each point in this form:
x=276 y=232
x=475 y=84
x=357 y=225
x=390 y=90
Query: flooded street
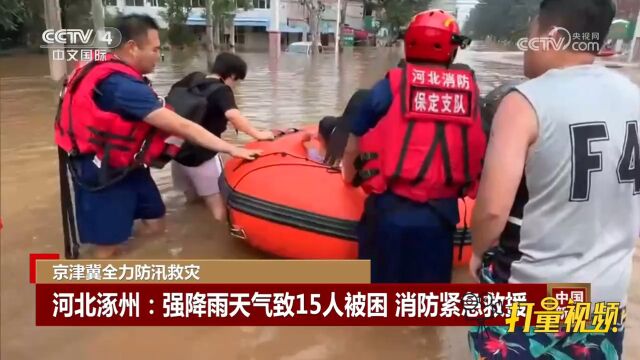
x=291 y=91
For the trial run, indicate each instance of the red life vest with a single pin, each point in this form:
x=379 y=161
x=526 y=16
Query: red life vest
x=82 y=128
x=430 y=144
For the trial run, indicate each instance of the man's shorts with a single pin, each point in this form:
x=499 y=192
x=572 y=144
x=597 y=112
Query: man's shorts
x=106 y=217
x=202 y=180
x=494 y=342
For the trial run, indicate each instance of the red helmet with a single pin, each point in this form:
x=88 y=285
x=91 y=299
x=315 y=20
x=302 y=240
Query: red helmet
x=433 y=36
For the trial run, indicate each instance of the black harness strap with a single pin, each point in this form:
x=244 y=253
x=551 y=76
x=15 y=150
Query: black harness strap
x=426 y=163
x=108 y=135
x=403 y=151
x=403 y=91
x=104 y=143
x=65 y=83
x=72 y=136
x=410 y=127
x=138 y=158
x=438 y=141
x=71 y=243
x=360 y=162
x=446 y=159
x=361 y=174
x=105 y=169
x=364 y=175
x=463 y=235
x=465 y=153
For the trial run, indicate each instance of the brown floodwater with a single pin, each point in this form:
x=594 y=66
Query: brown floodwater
x=291 y=91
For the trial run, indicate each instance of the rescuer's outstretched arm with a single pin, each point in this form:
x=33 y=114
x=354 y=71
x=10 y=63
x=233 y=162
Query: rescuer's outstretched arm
x=175 y=124
x=243 y=124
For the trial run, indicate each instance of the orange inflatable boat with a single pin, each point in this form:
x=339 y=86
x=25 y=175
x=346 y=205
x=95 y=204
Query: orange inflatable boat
x=286 y=205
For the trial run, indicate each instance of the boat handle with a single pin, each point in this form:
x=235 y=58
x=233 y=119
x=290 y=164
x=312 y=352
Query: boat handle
x=280 y=133
x=237 y=233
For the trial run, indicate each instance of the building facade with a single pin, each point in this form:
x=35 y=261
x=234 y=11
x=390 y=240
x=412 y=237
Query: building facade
x=252 y=26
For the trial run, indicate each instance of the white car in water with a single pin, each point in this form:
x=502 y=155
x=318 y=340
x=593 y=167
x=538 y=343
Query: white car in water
x=302 y=47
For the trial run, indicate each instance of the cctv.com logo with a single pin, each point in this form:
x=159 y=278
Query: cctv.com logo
x=81 y=39
x=560 y=39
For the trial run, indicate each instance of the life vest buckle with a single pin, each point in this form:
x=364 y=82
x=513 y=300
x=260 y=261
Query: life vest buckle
x=368 y=174
x=363 y=159
x=369 y=156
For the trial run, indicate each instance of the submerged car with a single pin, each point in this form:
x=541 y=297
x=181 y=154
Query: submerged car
x=302 y=47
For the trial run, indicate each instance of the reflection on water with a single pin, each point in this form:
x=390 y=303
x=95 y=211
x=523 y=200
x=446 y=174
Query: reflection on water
x=291 y=91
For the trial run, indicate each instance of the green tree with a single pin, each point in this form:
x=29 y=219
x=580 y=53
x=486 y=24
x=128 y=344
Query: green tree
x=396 y=14
x=315 y=9
x=12 y=14
x=502 y=20
x=176 y=14
x=224 y=12
x=34 y=23
x=110 y=17
x=76 y=14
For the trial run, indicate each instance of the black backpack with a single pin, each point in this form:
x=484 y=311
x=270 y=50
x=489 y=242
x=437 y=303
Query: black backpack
x=188 y=97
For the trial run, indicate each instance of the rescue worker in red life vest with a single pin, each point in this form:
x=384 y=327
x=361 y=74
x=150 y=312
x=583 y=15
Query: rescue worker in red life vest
x=114 y=127
x=417 y=147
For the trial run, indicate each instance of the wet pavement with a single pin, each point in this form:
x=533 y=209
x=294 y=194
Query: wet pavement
x=293 y=91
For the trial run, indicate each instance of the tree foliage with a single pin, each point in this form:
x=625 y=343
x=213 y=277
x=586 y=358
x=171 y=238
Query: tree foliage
x=502 y=20
x=24 y=19
x=397 y=13
x=315 y=9
x=176 y=15
x=224 y=11
x=76 y=14
x=12 y=14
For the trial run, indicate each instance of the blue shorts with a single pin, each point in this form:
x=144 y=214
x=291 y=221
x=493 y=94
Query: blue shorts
x=106 y=217
x=408 y=242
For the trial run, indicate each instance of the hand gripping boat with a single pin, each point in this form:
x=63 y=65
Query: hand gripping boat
x=289 y=206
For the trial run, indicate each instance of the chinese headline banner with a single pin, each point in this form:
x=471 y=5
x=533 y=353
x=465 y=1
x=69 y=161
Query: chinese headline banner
x=286 y=293
x=279 y=304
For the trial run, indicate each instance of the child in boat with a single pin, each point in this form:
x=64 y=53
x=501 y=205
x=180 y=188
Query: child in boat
x=317 y=145
x=333 y=132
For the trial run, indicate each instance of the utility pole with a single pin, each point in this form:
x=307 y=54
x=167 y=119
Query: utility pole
x=635 y=41
x=274 y=31
x=97 y=12
x=338 y=20
x=57 y=67
x=232 y=34
x=209 y=14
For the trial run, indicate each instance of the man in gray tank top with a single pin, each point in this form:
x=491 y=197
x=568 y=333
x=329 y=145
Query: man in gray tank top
x=559 y=200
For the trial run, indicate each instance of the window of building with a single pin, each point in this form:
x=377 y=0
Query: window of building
x=158 y=3
x=111 y=2
x=135 y=3
x=262 y=4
